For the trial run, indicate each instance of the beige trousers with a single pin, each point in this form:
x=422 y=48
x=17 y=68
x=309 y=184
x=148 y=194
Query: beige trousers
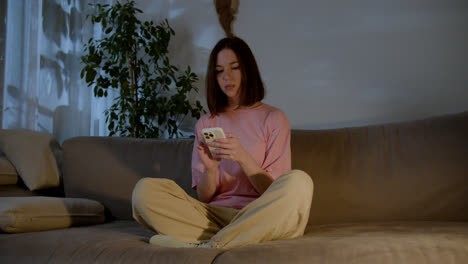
x=281 y=212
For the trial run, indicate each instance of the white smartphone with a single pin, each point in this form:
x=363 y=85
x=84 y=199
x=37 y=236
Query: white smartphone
x=212 y=133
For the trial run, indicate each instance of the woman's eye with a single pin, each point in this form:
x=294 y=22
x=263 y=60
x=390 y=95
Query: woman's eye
x=218 y=71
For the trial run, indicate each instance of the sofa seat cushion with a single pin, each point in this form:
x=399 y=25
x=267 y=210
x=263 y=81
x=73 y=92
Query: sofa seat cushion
x=398 y=242
x=39 y=213
x=127 y=242
x=115 y=242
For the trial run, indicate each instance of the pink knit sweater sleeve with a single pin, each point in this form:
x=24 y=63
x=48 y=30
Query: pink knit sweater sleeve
x=198 y=169
x=278 y=150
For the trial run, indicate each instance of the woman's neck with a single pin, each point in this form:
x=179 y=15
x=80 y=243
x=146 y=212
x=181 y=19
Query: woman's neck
x=232 y=107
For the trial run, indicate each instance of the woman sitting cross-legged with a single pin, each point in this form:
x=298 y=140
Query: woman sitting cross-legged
x=247 y=191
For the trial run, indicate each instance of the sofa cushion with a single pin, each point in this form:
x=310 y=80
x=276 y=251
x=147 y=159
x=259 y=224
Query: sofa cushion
x=39 y=213
x=397 y=242
x=414 y=170
x=31 y=153
x=8 y=173
x=115 y=242
x=93 y=162
x=127 y=242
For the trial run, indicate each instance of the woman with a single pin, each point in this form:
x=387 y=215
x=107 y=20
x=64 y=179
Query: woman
x=247 y=190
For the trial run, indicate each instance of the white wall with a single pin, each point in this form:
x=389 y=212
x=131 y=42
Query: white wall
x=330 y=63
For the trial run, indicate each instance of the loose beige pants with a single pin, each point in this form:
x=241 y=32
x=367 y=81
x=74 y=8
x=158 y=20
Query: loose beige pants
x=281 y=212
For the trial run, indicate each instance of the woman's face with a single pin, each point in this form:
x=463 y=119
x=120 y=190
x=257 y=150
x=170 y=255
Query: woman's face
x=228 y=75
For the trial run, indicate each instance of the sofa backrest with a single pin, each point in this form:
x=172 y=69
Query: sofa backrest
x=107 y=168
x=408 y=171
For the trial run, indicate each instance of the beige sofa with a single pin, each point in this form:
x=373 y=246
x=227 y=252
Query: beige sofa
x=394 y=193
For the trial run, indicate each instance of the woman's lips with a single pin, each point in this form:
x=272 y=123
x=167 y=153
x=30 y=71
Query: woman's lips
x=229 y=87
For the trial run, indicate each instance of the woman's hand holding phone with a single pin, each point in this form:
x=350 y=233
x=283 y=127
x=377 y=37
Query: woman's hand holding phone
x=229 y=148
x=217 y=145
x=206 y=157
x=205 y=151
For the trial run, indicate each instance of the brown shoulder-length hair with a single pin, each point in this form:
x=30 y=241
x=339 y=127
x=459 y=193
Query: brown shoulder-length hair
x=251 y=90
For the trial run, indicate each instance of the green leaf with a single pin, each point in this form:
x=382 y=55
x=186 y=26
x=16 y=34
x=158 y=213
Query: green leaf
x=90 y=75
x=113 y=116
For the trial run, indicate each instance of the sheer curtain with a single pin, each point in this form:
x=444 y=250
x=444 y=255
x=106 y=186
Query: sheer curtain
x=42 y=89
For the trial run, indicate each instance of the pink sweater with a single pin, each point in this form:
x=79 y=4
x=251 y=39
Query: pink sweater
x=263 y=131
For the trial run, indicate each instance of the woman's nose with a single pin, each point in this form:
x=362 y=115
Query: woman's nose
x=226 y=75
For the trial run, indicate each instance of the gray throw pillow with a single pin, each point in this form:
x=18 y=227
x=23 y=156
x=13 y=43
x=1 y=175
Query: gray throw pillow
x=8 y=173
x=31 y=153
x=40 y=213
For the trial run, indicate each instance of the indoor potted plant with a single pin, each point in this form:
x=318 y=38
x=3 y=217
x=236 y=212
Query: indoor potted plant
x=132 y=57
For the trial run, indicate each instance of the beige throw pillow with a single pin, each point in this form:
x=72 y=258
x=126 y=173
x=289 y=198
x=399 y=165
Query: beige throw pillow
x=30 y=152
x=39 y=213
x=8 y=173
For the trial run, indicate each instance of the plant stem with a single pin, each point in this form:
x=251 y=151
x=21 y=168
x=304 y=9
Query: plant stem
x=133 y=92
